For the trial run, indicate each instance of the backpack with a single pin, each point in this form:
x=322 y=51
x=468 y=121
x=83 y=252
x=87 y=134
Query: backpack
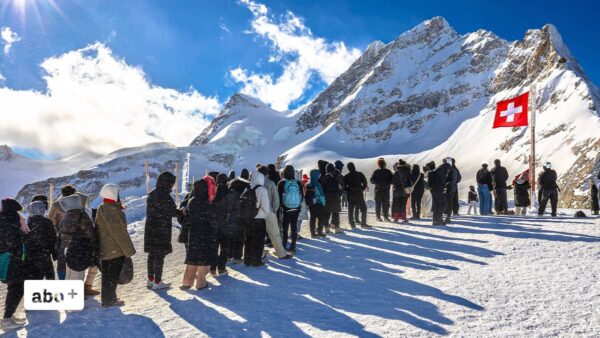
x=248 y=208
x=126 y=274
x=291 y=194
x=80 y=253
x=580 y=214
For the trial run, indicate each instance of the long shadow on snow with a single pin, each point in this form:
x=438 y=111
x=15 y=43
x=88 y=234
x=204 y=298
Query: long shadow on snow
x=323 y=287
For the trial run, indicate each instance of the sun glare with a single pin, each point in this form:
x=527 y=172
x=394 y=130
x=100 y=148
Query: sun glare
x=36 y=7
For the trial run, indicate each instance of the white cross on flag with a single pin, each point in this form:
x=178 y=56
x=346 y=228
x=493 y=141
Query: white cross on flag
x=512 y=112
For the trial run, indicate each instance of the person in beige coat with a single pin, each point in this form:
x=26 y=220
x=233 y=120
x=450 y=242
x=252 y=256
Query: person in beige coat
x=115 y=243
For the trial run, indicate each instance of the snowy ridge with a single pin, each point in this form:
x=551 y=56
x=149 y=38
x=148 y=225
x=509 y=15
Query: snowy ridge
x=429 y=94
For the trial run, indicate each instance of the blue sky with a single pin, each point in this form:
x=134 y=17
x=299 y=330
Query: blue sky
x=195 y=47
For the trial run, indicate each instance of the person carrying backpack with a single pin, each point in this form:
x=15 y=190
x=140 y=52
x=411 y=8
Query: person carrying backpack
x=255 y=207
x=13 y=229
x=41 y=242
x=315 y=200
x=235 y=227
x=290 y=195
x=333 y=187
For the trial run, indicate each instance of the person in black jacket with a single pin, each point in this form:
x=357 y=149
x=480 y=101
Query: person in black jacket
x=231 y=176
x=160 y=211
x=522 y=199
x=236 y=230
x=220 y=206
x=484 y=187
x=416 y=196
x=401 y=181
x=436 y=182
x=41 y=242
x=12 y=236
x=273 y=173
x=202 y=237
x=450 y=189
x=594 y=205
x=549 y=189
x=382 y=179
x=355 y=184
x=333 y=187
x=499 y=178
x=290 y=196
x=455 y=203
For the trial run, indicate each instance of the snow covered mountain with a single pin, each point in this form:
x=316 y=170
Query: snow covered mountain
x=429 y=94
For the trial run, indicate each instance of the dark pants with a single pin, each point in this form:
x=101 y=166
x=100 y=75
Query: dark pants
x=335 y=219
x=13 y=298
x=382 y=201
x=399 y=207
x=449 y=203
x=354 y=206
x=438 y=203
x=224 y=253
x=415 y=204
x=255 y=241
x=290 y=219
x=237 y=244
x=110 y=276
x=553 y=197
x=501 y=200
x=317 y=212
x=455 y=204
x=61 y=262
x=156 y=261
x=40 y=267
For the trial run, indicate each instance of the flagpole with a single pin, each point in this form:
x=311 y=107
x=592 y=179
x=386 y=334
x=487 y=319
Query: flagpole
x=532 y=159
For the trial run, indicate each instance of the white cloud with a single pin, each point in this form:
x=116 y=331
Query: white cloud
x=97 y=102
x=9 y=37
x=223 y=26
x=302 y=53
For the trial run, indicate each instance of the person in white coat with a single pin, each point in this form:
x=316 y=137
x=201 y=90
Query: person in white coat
x=272 y=226
x=255 y=233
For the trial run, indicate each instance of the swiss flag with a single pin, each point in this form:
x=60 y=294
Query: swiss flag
x=512 y=112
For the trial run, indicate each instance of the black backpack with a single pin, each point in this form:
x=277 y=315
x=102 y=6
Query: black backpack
x=248 y=208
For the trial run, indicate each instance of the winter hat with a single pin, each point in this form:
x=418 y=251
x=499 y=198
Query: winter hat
x=231 y=174
x=10 y=205
x=484 y=164
x=200 y=190
x=548 y=165
x=430 y=166
x=41 y=198
x=166 y=180
x=497 y=162
x=339 y=165
x=67 y=190
x=110 y=192
x=37 y=208
x=222 y=178
x=448 y=160
x=245 y=174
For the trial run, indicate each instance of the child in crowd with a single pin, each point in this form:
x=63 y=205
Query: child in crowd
x=473 y=200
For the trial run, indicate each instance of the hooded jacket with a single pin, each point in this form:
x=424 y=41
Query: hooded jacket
x=333 y=186
x=202 y=245
x=402 y=180
x=75 y=219
x=56 y=211
x=160 y=211
x=12 y=238
x=355 y=183
x=418 y=179
x=263 y=202
x=41 y=240
x=220 y=201
x=288 y=174
x=547 y=181
x=313 y=191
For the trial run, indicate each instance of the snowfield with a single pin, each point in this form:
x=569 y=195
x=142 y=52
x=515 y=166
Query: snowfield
x=479 y=277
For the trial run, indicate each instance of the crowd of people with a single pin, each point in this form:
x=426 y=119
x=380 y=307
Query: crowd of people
x=231 y=219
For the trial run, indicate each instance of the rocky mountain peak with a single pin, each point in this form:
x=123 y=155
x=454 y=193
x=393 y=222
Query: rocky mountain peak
x=7 y=154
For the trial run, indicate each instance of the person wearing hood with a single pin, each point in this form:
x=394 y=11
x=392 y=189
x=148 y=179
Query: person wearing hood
x=594 y=205
x=41 y=243
x=436 y=183
x=78 y=237
x=382 y=179
x=160 y=210
x=402 y=183
x=56 y=214
x=522 y=188
x=451 y=186
x=333 y=187
x=499 y=178
x=547 y=183
x=115 y=243
x=13 y=229
x=273 y=174
x=484 y=187
x=234 y=234
x=256 y=230
x=416 y=197
x=291 y=197
x=202 y=236
x=231 y=176
x=315 y=200
x=272 y=225
x=355 y=185
x=221 y=207
x=245 y=174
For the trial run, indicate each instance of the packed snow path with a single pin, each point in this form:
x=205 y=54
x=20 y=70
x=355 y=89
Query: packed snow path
x=479 y=277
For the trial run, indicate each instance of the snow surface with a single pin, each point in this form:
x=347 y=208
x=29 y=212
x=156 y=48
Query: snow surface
x=479 y=277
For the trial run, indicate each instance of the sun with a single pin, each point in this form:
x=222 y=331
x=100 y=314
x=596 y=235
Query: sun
x=23 y=8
